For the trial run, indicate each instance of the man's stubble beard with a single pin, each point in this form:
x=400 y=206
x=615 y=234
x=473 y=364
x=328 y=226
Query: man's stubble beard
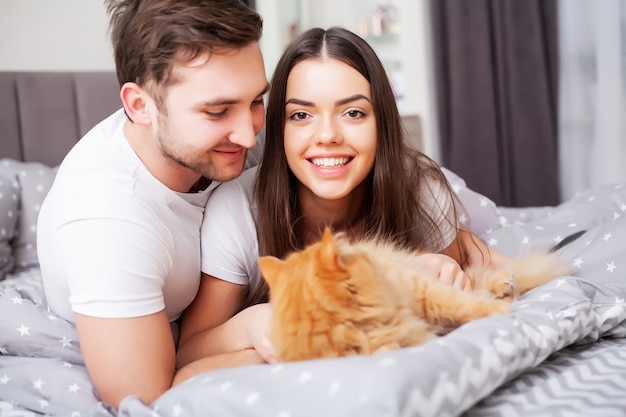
x=204 y=168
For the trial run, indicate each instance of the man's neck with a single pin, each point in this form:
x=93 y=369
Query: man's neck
x=168 y=172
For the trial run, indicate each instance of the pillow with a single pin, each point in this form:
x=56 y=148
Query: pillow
x=35 y=180
x=9 y=195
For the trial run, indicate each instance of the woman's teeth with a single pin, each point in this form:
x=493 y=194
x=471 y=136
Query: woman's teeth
x=330 y=162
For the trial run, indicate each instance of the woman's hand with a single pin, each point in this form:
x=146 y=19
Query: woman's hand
x=258 y=326
x=446 y=270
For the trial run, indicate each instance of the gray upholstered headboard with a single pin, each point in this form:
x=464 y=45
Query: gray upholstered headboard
x=43 y=114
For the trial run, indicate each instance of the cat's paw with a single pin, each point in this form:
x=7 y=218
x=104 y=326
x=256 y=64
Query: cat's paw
x=502 y=285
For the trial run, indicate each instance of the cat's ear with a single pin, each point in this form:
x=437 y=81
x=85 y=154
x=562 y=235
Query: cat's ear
x=328 y=256
x=270 y=267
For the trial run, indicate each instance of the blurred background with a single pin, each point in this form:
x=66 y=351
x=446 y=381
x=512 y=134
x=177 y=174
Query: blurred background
x=526 y=100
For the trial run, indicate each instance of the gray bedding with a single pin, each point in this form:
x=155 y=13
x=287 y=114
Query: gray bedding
x=561 y=352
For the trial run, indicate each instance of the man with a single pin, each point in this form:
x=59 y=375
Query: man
x=118 y=234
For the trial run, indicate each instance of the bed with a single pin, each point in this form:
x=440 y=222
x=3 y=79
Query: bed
x=560 y=352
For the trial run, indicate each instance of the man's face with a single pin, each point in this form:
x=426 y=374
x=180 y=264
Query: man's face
x=213 y=112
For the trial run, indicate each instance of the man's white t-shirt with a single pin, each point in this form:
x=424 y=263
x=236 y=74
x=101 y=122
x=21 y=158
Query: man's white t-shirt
x=112 y=240
x=230 y=249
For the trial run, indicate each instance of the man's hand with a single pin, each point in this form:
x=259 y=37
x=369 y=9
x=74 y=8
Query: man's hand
x=223 y=360
x=258 y=325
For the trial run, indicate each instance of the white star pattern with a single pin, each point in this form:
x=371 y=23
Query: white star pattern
x=578 y=262
x=305 y=377
x=484 y=202
x=590 y=199
x=610 y=267
x=538 y=227
x=67 y=365
x=51 y=317
x=545 y=296
x=66 y=342
x=43 y=404
x=572 y=225
x=5 y=379
x=3 y=350
x=177 y=410
x=456 y=188
x=557 y=239
x=616 y=216
x=73 y=388
x=252 y=398
x=526 y=240
x=622 y=207
x=16 y=300
x=607 y=236
x=277 y=368
x=493 y=242
x=23 y=330
x=387 y=362
x=463 y=218
x=38 y=384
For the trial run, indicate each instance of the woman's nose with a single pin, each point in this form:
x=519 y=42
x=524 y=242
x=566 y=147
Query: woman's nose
x=328 y=131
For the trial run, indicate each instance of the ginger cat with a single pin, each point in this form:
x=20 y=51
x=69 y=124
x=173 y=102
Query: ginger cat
x=337 y=298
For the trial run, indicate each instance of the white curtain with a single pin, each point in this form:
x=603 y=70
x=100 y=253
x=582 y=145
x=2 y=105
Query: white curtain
x=592 y=94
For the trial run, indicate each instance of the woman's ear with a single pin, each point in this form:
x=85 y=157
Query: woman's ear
x=137 y=103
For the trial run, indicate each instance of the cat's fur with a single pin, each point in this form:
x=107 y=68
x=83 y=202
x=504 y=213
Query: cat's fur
x=337 y=298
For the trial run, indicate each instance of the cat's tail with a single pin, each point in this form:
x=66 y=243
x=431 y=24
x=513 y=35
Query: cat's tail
x=537 y=268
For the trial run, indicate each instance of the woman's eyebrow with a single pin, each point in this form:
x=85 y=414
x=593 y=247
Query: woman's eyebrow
x=351 y=99
x=339 y=102
x=299 y=102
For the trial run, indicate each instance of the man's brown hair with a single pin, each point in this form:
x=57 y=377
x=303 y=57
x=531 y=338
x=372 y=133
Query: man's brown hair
x=150 y=37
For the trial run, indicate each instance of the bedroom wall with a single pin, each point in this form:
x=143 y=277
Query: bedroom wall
x=45 y=35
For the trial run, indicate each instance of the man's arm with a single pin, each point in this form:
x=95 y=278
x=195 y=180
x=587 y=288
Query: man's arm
x=223 y=360
x=129 y=356
x=209 y=328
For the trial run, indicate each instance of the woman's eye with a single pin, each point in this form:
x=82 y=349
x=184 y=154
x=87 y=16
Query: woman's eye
x=299 y=116
x=355 y=114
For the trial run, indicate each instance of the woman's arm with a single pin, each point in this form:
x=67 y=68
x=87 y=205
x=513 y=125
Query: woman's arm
x=469 y=250
x=465 y=251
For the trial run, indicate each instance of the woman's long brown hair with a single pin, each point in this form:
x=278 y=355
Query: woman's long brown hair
x=394 y=203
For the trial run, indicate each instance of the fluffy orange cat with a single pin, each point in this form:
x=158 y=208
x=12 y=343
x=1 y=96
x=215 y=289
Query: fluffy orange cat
x=337 y=298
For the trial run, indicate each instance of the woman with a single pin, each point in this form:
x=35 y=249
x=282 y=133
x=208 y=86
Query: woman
x=335 y=154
